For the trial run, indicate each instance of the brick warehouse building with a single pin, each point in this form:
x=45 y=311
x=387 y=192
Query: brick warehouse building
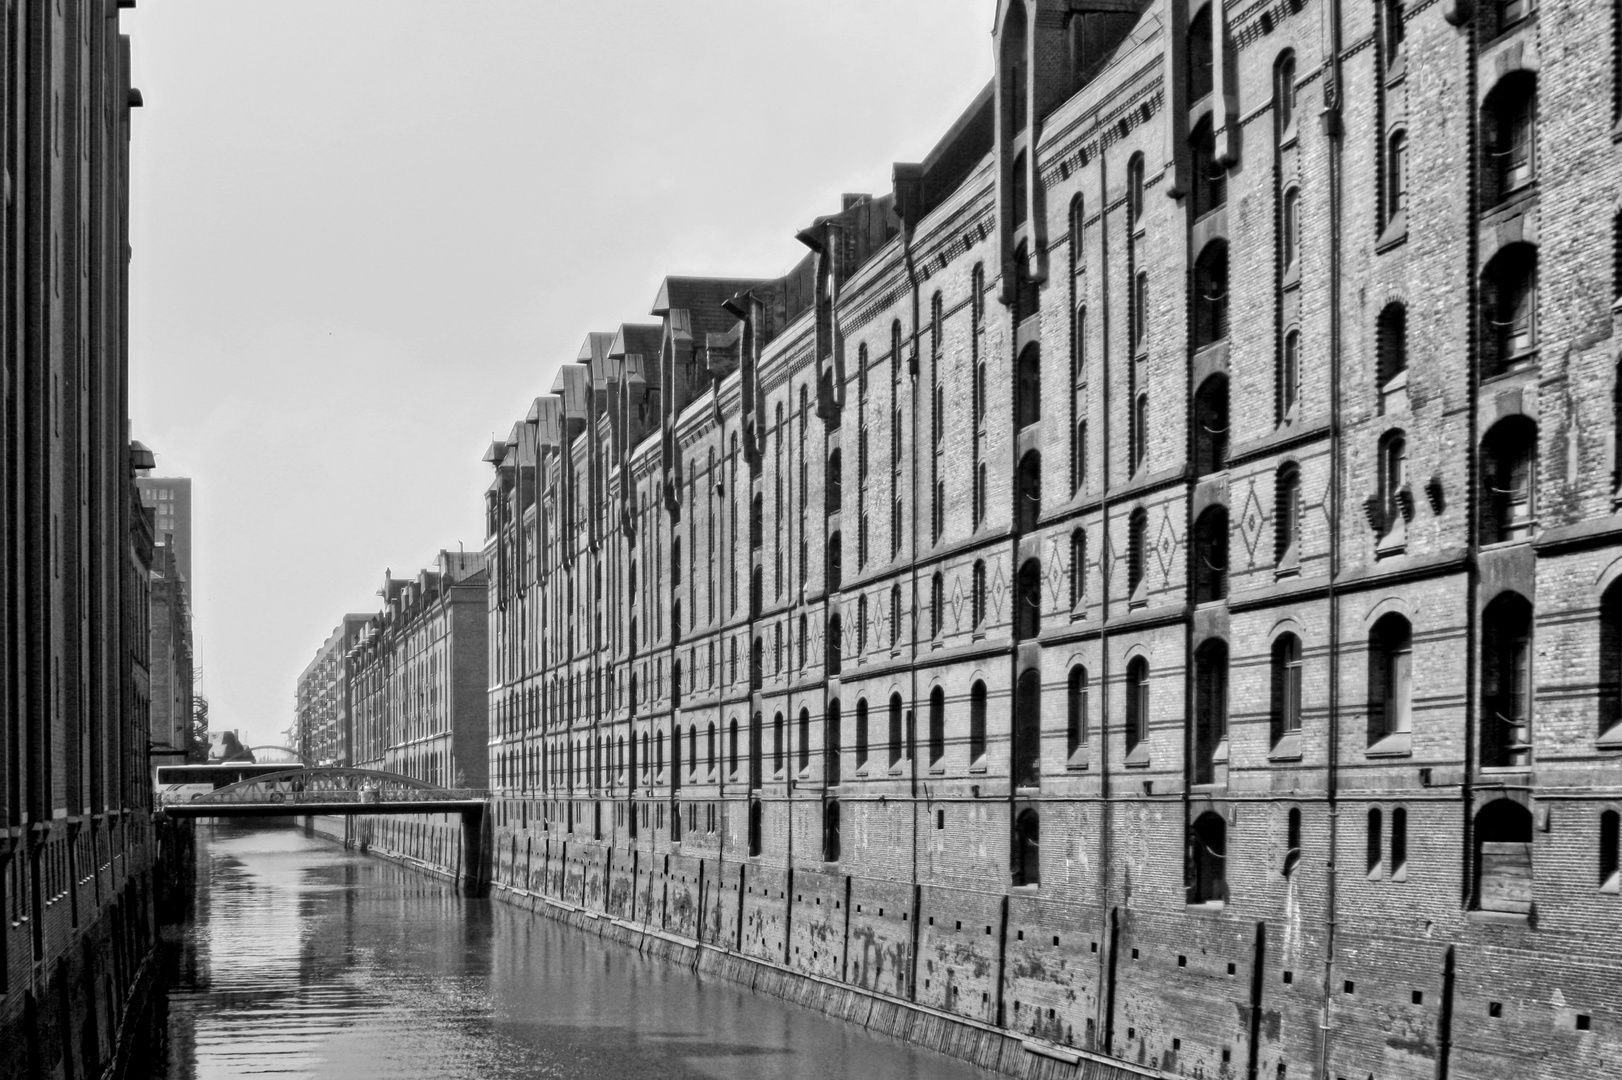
x=322 y=705
x=77 y=843
x=414 y=677
x=1147 y=583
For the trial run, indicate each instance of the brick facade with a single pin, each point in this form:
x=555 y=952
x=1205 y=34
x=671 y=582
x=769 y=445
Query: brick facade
x=1222 y=421
x=413 y=676
x=77 y=842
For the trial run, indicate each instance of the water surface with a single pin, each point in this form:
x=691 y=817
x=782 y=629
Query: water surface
x=304 y=960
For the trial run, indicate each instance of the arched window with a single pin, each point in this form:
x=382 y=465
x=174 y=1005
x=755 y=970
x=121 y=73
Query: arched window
x=1399 y=844
x=1028 y=600
x=861 y=733
x=757 y=664
x=658 y=755
x=978 y=593
x=1140 y=430
x=1289 y=376
x=1211 y=426
x=1030 y=384
x=1375 y=859
x=1390 y=678
x=895 y=615
x=632 y=700
x=1396 y=178
x=1503 y=858
x=1284 y=95
x=709 y=748
x=757 y=749
x=1137 y=704
x=1078 y=567
x=1137 y=554
x=1078 y=456
x=833 y=646
x=1292 y=841
x=1028 y=729
x=1210 y=711
x=830 y=744
x=977 y=722
x=1207 y=859
x=830 y=831
x=1076 y=716
x=1210 y=556
x=1078 y=255
x=1134 y=189
x=1200 y=66
x=1211 y=295
x=833 y=482
x=937 y=725
x=1019 y=193
x=1610 y=664
x=675 y=681
x=1394 y=32
x=1506 y=681
x=1391 y=350
x=1029 y=506
x=1210 y=180
x=1285 y=713
x=1509 y=297
x=1509 y=135
x=1287 y=516
x=777 y=745
x=1509 y=476
x=1140 y=312
x=1395 y=498
x=1027 y=293
x=861 y=625
x=1290 y=231
x=896 y=737
x=1027 y=869
x=937 y=604
x=1610 y=852
x=675 y=562
x=756 y=826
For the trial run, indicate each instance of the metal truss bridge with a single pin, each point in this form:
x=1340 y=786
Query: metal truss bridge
x=329 y=792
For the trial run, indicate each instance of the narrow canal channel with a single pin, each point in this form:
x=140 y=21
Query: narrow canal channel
x=304 y=960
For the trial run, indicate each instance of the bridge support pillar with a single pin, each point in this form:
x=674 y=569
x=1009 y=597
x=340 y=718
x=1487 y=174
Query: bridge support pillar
x=476 y=850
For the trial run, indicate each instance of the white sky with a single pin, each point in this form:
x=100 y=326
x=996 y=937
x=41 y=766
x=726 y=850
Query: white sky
x=366 y=232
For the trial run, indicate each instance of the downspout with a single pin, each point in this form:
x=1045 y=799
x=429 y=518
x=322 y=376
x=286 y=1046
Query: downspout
x=1472 y=465
x=1333 y=129
x=1105 y=821
x=911 y=732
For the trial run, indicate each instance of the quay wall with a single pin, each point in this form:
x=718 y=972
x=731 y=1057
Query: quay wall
x=1053 y=986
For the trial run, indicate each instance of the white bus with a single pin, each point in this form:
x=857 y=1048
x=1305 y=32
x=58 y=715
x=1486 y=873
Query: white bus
x=183 y=783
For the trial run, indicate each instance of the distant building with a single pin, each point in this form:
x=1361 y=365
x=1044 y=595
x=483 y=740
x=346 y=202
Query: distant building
x=417 y=676
x=323 y=724
x=170 y=656
x=169 y=498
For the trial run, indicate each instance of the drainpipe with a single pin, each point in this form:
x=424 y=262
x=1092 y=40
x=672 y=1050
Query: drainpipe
x=1105 y=817
x=1333 y=129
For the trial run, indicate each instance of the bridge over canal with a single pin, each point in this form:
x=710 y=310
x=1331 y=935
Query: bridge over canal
x=338 y=792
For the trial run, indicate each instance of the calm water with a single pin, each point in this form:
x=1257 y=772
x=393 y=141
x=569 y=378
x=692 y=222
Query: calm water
x=307 y=961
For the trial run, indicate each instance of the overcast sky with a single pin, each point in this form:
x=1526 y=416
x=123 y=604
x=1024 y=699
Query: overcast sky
x=366 y=232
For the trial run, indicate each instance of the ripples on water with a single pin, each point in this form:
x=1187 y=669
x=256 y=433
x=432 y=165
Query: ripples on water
x=308 y=961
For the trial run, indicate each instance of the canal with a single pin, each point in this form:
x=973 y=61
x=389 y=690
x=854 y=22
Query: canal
x=305 y=960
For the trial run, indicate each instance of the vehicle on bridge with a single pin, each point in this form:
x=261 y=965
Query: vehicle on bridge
x=185 y=783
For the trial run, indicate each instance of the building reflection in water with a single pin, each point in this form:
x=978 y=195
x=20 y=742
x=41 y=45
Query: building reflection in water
x=304 y=960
